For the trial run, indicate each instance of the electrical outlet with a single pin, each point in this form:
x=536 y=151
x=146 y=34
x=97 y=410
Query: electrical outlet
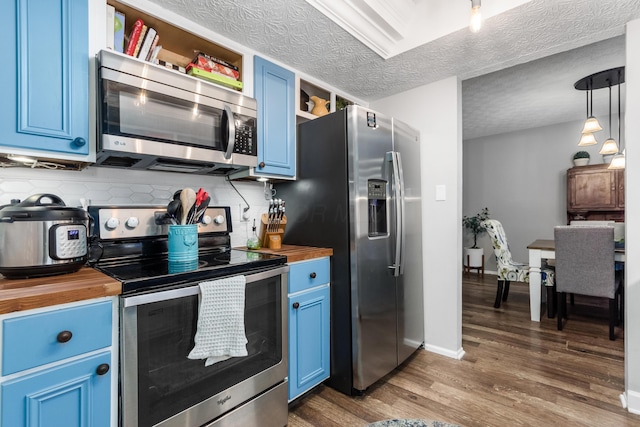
x=244 y=216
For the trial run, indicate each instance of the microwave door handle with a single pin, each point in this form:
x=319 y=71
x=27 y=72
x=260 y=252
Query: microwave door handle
x=231 y=132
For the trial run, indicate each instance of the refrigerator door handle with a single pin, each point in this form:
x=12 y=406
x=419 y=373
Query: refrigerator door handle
x=398 y=184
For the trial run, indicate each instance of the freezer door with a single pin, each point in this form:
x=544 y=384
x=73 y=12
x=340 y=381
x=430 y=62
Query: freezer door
x=373 y=288
x=410 y=321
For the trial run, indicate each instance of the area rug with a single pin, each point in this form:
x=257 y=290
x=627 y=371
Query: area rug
x=411 y=423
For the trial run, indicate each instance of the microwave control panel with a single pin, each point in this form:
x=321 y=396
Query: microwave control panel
x=245 y=139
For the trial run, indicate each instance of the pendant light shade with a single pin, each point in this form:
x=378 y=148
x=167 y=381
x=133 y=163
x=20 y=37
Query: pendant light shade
x=591 y=125
x=475 y=20
x=610 y=146
x=619 y=161
x=587 y=139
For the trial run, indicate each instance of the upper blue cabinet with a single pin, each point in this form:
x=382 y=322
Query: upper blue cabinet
x=275 y=92
x=45 y=84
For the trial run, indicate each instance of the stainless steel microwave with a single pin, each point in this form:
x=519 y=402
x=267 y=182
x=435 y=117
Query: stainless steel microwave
x=155 y=118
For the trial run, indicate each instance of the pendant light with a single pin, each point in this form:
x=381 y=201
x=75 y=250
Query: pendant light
x=610 y=146
x=591 y=124
x=619 y=161
x=475 y=20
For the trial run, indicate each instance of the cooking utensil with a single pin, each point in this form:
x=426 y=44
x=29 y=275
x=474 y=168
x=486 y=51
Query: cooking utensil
x=187 y=199
x=56 y=235
x=174 y=210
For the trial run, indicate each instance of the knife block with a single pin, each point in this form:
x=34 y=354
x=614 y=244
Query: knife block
x=271 y=232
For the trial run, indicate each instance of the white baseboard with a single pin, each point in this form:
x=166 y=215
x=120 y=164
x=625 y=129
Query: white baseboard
x=445 y=352
x=633 y=401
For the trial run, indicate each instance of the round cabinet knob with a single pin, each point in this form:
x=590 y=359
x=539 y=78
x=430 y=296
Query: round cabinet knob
x=79 y=142
x=132 y=222
x=219 y=219
x=112 y=223
x=296 y=305
x=102 y=369
x=64 y=336
x=206 y=220
x=261 y=165
x=313 y=275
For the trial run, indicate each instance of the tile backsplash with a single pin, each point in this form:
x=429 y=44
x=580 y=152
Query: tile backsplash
x=108 y=186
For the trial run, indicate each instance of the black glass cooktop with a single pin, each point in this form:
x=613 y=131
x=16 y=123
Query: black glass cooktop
x=140 y=275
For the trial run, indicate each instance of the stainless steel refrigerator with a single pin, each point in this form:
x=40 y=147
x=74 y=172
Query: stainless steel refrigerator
x=358 y=192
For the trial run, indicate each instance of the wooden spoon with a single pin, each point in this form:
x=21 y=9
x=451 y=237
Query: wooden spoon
x=187 y=199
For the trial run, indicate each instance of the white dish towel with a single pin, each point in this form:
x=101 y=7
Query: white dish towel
x=220 y=333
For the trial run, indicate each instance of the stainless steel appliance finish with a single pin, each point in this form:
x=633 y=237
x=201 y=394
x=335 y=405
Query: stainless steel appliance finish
x=363 y=170
x=41 y=236
x=158 y=119
x=159 y=385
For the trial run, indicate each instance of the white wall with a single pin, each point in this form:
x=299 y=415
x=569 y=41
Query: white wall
x=106 y=186
x=435 y=110
x=521 y=177
x=632 y=207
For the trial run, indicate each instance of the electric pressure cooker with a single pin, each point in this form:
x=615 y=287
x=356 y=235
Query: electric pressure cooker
x=41 y=236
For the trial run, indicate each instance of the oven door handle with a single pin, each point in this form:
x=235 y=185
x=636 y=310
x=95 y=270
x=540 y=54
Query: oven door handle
x=193 y=290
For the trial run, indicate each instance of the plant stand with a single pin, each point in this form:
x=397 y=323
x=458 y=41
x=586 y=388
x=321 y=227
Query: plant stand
x=466 y=269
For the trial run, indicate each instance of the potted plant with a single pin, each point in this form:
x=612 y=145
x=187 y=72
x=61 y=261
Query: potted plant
x=581 y=158
x=473 y=255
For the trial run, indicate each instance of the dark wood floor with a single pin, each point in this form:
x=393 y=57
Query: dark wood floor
x=515 y=373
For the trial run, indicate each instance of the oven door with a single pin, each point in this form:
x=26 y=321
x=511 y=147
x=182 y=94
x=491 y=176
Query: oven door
x=162 y=387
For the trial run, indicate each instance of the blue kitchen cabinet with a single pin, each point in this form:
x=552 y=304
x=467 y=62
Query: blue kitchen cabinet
x=57 y=366
x=45 y=99
x=73 y=394
x=309 y=325
x=274 y=91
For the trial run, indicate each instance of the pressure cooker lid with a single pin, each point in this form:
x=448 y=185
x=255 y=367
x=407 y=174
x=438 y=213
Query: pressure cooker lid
x=41 y=207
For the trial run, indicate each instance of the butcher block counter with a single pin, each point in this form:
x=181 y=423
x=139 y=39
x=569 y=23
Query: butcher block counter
x=295 y=253
x=25 y=294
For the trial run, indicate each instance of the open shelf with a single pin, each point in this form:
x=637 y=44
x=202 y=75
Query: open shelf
x=179 y=46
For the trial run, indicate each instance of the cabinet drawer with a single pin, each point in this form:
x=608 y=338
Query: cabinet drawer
x=37 y=339
x=308 y=274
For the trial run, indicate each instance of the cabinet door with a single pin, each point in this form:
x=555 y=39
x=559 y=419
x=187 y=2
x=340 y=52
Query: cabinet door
x=76 y=394
x=44 y=100
x=592 y=189
x=275 y=93
x=620 y=178
x=308 y=339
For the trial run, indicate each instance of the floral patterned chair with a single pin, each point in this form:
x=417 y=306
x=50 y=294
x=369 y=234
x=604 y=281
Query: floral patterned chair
x=511 y=271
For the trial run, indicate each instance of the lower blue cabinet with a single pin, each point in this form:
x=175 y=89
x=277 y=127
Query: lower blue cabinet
x=309 y=333
x=76 y=394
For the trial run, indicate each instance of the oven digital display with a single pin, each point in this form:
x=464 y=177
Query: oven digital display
x=73 y=234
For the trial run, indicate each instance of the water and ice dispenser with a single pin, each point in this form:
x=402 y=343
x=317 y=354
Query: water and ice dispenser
x=377 y=195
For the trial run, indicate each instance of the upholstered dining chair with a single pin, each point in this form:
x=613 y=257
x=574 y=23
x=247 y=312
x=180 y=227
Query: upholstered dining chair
x=510 y=270
x=585 y=265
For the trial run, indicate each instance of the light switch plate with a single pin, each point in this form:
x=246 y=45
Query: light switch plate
x=441 y=192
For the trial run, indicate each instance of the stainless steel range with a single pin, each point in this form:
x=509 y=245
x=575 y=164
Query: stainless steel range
x=159 y=385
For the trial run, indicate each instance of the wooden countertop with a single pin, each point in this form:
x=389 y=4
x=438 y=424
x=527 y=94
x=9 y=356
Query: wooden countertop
x=294 y=253
x=25 y=294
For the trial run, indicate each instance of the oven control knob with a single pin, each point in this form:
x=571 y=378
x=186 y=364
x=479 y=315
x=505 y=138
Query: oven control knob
x=219 y=219
x=112 y=223
x=206 y=220
x=132 y=222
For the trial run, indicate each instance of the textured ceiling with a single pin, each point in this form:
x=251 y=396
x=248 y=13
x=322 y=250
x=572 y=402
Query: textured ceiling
x=298 y=35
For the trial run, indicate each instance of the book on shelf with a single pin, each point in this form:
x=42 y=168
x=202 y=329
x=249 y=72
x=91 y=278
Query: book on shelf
x=154 y=53
x=145 y=45
x=152 y=49
x=143 y=33
x=111 y=15
x=118 y=31
x=214 y=77
x=134 y=36
x=212 y=64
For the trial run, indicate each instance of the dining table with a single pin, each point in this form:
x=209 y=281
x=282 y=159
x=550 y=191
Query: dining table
x=546 y=249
